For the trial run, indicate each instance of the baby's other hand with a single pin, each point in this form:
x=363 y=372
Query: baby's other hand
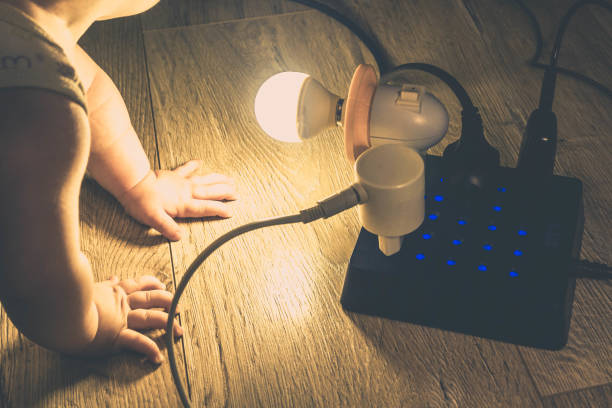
x=165 y=194
x=127 y=306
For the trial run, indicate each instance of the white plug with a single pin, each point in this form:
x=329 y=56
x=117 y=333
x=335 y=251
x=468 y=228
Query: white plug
x=393 y=176
x=407 y=114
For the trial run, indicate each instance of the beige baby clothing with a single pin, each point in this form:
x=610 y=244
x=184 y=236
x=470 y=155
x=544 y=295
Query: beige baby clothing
x=29 y=58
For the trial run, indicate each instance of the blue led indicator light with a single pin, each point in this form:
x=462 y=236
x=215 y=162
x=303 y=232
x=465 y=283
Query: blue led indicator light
x=451 y=262
x=522 y=233
x=441 y=179
x=502 y=189
x=518 y=252
x=513 y=274
x=461 y=222
x=456 y=242
x=438 y=198
x=482 y=267
x=487 y=247
x=420 y=257
x=496 y=208
x=426 y=236
x=492 y=227
x=433 y=216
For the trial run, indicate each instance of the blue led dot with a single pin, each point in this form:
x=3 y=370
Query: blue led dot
x=451 y=262
x=513 y=274
x=518 y=252
x=492 y=227
x=426 y=236
x=438 y=198
x=522 y=233
x=502 y=189
x=461 y=222
x=487 y=247
x=496 y=208
x=433 y=216
x=420 y=257
x=456 y=242
x=482 y=267
x=441 y=179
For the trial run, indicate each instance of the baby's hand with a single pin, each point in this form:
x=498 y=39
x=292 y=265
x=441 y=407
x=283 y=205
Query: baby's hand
x=126 y=306
x=163 y=195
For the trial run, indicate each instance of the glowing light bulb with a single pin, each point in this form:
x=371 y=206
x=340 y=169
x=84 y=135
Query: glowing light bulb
x=292 y=106
x=276 y=105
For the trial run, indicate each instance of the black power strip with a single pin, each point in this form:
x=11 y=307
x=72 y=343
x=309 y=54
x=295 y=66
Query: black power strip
x=494 y=262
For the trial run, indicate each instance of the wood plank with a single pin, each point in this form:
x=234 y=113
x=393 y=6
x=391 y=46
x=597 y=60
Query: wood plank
x=116 y=245
x=587 y=359
x=595 y=397
x=179 y=13
x=584 y=123
x=485 y=45
x=265 y=327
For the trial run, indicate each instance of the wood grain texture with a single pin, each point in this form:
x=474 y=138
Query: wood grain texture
x=595 y=397
x=265 y=327
x=263 y=322
x=587 y=359
x=486 y=44
x=583 y=152
x=115 y=245
x=179 y=13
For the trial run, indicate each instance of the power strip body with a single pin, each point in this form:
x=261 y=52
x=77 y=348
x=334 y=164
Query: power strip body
x=494 y=263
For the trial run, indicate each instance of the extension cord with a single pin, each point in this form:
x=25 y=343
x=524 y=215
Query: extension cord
x=492 y=262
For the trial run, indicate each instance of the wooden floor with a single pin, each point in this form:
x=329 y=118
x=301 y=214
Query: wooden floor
x=264 y=326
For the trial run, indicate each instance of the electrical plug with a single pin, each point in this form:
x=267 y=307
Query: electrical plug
x=470 y=162
x=539 y=145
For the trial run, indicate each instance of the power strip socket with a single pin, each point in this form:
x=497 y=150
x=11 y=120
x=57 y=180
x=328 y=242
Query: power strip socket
x=494 y=263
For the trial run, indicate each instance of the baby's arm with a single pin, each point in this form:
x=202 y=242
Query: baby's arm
x=46 y=283
x=118 y=162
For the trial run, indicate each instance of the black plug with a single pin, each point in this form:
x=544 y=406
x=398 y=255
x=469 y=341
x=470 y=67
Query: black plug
x=470 y=162
x=539 y=145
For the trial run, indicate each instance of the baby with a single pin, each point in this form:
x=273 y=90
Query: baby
x=61 y=115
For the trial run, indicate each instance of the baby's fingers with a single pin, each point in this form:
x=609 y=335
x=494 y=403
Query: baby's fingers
x=132 y=340
x=150 y=299
x=212 y=178
x=145 y=282
x=162 y=222
x=206 y=208
x=143 y=319
x=217 y=192
x=188 y=168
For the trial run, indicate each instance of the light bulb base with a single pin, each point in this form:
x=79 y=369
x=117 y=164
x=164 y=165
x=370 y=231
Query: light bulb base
x=339 y=111
x=316 y=109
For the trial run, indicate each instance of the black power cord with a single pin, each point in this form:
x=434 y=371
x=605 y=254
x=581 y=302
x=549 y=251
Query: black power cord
x=383 y=60
x=380 y=56
x=539 y=144
x=592 y=270
x=533 y=61
x=460 y=155
x=470 y=161
x=324 y=209
x=448 y=79
x=187 y=277
x=548 y=86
